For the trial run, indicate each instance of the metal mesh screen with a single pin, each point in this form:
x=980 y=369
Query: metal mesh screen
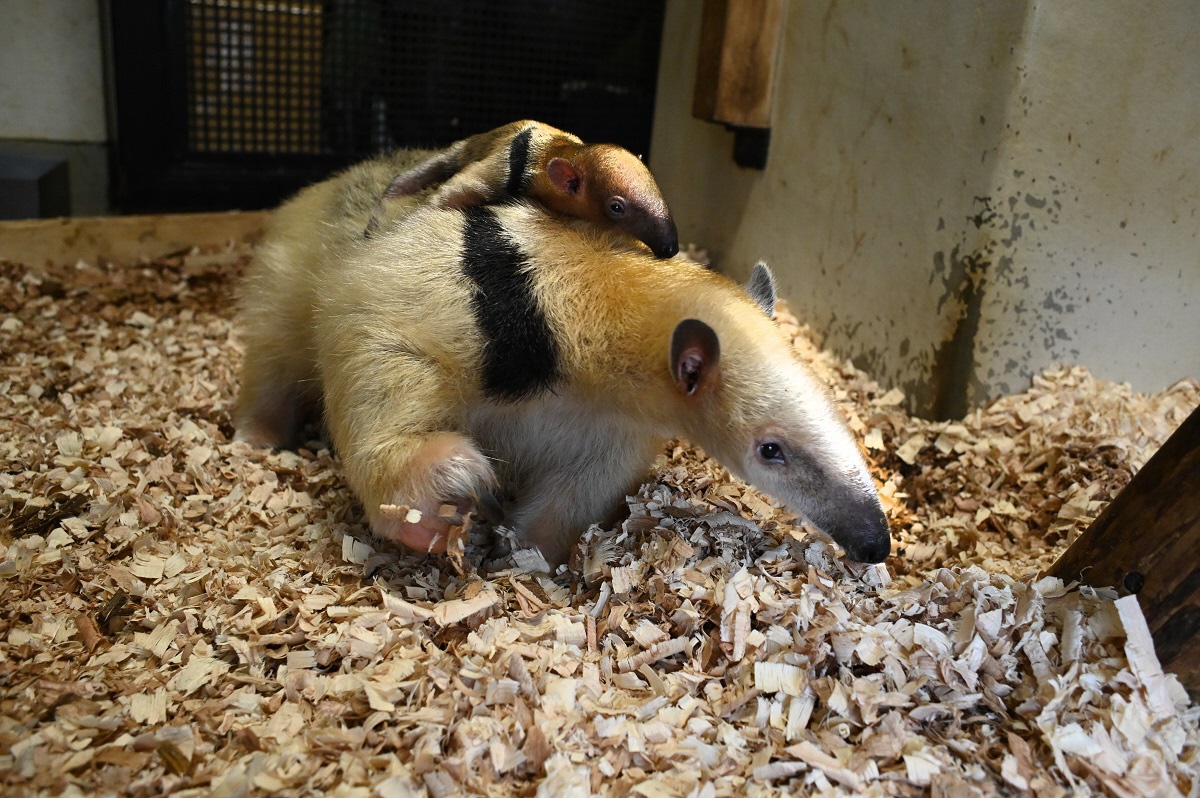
x=254 y=76
x=352 y=77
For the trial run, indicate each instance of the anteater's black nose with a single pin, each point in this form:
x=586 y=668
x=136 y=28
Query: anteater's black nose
x=864 y=534
x=668 y=249
x=875 y=551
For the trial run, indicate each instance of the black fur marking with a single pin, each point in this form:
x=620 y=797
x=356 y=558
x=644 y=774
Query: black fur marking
x=518 y=163
x=520 y=356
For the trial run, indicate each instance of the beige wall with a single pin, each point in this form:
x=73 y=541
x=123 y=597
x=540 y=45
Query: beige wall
x=51 y=76
x=52 y=91
x=960 y=195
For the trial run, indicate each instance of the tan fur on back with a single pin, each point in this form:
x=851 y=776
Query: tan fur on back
x=384 y=330
x=612 y=309
x=276 y=298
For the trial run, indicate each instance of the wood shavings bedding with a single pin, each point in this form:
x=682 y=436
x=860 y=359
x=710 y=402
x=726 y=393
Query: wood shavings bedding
x=186 y=614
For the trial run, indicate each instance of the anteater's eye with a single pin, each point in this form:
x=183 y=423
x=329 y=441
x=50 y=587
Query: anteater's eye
x=616 y=207
x=771 y=452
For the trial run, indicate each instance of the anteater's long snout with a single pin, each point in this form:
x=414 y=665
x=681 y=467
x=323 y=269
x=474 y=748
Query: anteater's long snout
x=852 y=515
x=665 y=243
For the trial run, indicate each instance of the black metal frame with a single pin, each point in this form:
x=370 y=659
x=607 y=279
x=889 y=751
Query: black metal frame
x=153 y=168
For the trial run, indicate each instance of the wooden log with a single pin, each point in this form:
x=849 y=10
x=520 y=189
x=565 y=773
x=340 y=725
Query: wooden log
x=1147 y=541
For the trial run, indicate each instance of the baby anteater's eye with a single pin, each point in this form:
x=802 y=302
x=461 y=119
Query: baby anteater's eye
x=616 y=207
x=771 y=452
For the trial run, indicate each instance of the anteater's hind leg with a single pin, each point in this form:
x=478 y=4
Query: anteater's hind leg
x=435 y=169
x=278 y=396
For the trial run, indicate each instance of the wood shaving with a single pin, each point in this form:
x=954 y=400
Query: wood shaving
x=185 y=614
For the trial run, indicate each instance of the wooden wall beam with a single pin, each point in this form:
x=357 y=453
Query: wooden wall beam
x=740 y=41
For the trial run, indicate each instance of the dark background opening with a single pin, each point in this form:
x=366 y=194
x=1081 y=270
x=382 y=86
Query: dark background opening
x=223 y=104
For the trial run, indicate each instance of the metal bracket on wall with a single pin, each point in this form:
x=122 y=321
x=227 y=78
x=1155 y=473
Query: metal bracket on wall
x=740 y=42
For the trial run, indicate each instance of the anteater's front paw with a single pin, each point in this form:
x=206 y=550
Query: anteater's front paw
x=449 y=480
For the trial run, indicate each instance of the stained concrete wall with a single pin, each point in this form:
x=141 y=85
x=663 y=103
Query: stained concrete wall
x=958 y=196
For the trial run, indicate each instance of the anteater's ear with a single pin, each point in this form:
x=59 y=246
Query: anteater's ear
x=564 y=175
x=695 y=353
x=761 y=288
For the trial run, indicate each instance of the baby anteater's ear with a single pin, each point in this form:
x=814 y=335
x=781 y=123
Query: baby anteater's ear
x=564 y=175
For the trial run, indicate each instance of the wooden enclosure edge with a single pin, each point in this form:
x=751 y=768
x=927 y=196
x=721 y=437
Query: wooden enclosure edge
x=124 y=239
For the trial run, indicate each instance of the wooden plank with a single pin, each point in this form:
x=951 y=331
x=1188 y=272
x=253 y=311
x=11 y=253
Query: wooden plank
x=124 y=239
x=708 y=65
x=1147 y=541
x=735 y=73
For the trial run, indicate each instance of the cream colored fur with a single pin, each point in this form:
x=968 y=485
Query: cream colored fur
x=276 y=299
x=398 y=355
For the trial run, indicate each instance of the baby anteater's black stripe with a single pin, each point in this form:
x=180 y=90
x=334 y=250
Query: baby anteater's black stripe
x=518 y=162
x=519 y=354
